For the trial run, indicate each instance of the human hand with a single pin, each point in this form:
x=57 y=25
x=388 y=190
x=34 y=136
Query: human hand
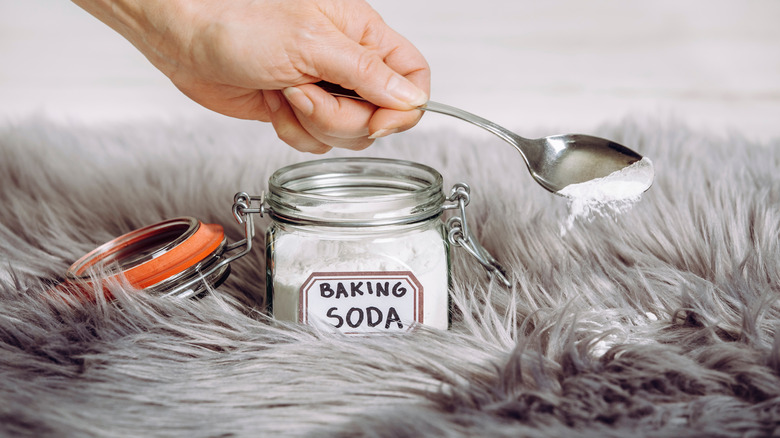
x=260 y=59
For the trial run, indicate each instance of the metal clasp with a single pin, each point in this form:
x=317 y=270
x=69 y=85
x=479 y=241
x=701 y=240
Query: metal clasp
x=242 y=213
x=242 y=209
x=459 y=234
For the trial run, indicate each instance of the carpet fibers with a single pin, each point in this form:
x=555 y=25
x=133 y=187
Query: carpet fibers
x=662 y=321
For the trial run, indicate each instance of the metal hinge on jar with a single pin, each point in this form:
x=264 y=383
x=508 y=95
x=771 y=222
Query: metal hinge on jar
x=459 y=234
x=241 y=212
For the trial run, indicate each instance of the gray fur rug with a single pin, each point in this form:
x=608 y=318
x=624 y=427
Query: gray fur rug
x=662 y=321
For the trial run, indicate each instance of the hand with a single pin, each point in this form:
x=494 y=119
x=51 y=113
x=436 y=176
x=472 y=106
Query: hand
x=260 y=59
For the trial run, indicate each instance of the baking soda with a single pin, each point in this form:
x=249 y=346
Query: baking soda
x=613 y=194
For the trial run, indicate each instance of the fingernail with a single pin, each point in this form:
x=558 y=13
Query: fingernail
x=299 y=100
x=382 y=133
x=406 y=91
x=273 y=100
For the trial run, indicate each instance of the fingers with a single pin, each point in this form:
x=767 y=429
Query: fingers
x=340 y=122
x=287 y=127
x=371 y=78
x=404 y=58
x=382 y=66
x=385 y=121
x=317 y=127
x=337 y=118
x=330 y=121
x=312 y=120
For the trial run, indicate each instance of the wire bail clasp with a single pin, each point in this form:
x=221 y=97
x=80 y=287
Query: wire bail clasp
x=459 y=234
x=241 y=212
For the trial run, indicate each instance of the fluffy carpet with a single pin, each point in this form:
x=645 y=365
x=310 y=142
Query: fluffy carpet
x=662 y=321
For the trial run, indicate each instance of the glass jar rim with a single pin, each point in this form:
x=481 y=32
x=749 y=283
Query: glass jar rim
x=157 y=256
x=360 y=191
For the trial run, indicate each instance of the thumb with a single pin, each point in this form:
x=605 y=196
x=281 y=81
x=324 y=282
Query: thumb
x=355 y=67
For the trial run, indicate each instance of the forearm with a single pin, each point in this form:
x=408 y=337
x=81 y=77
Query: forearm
x=147 y=24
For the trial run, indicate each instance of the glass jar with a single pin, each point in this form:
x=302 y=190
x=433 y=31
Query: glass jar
x=358 y=244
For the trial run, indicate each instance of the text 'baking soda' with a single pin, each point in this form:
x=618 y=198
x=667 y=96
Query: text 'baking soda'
x=362 y=302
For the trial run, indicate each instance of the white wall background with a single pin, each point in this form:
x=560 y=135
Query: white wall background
x=568 y=65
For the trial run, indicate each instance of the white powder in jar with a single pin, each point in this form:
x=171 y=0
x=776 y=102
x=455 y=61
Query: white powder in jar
x=612 y=194
x=422 y=251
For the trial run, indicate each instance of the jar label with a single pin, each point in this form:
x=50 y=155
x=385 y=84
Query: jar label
x=362 y=302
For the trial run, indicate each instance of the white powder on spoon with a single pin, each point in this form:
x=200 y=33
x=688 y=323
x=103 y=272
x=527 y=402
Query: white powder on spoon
x=612 y=194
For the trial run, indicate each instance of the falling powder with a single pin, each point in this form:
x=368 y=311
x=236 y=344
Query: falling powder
x=612 y=194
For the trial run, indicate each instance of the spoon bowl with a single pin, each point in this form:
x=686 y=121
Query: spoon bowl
x=574 y=159
x=555 y=162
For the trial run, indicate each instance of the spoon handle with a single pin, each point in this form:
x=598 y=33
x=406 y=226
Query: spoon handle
x=436 y=107
x=474 y=119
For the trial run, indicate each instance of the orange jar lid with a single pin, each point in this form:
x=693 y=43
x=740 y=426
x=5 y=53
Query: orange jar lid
x=158 y=257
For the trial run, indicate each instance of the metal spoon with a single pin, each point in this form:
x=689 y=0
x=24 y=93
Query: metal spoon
x=554 y=162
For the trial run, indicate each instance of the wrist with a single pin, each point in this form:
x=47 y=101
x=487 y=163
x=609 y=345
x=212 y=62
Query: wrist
x=152 y=26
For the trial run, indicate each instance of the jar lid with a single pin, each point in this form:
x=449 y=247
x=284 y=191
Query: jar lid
x=160 y=257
